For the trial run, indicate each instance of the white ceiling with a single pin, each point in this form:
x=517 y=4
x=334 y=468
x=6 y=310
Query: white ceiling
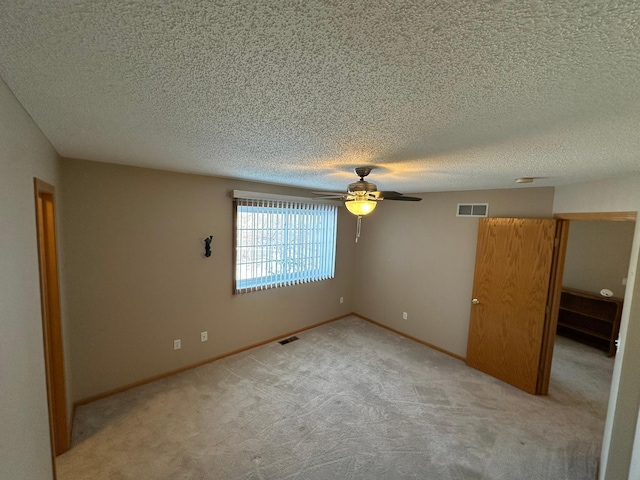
x=440 y=95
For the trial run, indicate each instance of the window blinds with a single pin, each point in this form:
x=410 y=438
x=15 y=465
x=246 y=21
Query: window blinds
x=280 y=243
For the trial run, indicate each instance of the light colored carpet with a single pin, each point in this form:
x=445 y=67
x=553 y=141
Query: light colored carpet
x=348 y=400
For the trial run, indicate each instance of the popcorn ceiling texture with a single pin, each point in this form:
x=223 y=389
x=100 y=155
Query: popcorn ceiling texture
x=440 y=95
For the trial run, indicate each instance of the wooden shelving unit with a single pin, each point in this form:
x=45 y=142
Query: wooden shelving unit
x=590 y=319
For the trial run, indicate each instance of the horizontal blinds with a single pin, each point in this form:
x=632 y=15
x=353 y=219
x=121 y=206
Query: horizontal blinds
x=281 y=242
x=245 y=195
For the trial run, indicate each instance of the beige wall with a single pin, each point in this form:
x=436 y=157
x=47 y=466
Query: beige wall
x=419 y=258
x=598 y=256
x=137 y=278
x=24 y=425
x=617 y=195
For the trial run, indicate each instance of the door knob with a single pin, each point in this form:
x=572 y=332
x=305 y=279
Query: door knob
x=475 y=301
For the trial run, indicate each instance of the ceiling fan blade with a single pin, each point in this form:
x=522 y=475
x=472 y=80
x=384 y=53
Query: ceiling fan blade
x=331 y=194
x=398 y=196
x=405 y=199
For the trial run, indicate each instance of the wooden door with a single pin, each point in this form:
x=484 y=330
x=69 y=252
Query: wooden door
x=51 y=324
x=510 y=304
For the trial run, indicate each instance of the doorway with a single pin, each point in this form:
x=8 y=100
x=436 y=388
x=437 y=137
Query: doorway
x=594 y=282
x=501 y=244
x=51 y=319
x=596 y=264
x=593 y=360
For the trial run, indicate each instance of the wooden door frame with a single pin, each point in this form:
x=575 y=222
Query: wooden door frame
x=51 y=318
x=606 y=216
x=555 y=283
x=553 y=306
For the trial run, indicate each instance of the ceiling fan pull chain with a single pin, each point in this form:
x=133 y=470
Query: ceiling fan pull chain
x=359 y=225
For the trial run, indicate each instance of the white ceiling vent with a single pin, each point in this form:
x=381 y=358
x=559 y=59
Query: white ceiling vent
x=472 y=210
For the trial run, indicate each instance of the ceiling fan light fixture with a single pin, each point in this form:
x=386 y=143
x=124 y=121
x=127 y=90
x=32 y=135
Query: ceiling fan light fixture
x=360 y=207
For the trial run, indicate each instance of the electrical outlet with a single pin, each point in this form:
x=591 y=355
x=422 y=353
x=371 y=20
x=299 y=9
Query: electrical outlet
x=341 y=299
x=204 y=336
x=404 y=315
x=624 y=281
x=177 y=344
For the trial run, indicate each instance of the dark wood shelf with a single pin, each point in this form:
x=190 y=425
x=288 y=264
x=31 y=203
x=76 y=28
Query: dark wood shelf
x=590 y=318
x=590 y=315
x=584 y=330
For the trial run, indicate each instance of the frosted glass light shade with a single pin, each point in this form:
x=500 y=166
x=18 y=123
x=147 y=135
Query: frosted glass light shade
x=361 y=207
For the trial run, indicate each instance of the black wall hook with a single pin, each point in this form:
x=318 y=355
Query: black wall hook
x=207 y=246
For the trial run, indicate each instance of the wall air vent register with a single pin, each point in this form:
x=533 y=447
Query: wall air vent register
x=472 y=210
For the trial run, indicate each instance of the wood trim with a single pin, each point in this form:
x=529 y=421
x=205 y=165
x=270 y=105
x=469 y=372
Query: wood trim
x=551 y=323
x=411 y=337
x=129 y=386
x=234 y=248
x=51 y=318
x=609 y=216
x=42 y=187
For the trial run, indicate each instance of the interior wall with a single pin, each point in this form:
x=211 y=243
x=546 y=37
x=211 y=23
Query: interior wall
x=24 y=153
x=617 y=195
x=419 y=258
x=137 y=278
x=598 y=256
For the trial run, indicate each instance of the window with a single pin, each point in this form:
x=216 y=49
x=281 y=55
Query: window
x=283 y=242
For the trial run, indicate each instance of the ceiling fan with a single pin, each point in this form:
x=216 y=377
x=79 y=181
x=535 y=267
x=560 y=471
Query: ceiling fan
x=362 y=197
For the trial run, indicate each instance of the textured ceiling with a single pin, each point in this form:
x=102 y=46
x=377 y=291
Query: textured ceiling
x=440 y=95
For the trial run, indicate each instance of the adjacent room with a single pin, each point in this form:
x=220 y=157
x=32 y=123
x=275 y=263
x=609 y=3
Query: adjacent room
x=319 y=240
